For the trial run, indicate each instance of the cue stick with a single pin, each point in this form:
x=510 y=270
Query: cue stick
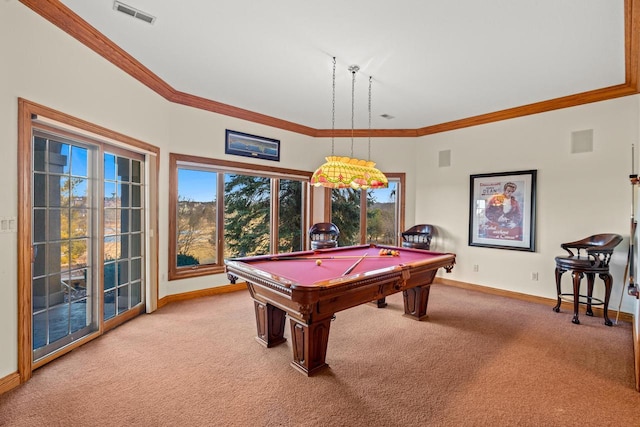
x=355 y=264
x=286 y=258
x=632 y=288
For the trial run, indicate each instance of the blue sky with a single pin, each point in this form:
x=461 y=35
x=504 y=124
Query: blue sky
x=199 y=186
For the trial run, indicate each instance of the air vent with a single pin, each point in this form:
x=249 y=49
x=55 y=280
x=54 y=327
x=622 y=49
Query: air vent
x=132 y=11
x=582 y=141
x=444 y=158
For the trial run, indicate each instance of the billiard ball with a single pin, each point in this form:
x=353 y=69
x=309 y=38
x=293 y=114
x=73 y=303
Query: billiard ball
x=318 y=262
x=388 y=252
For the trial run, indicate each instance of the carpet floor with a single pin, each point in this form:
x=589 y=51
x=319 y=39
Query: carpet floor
x=479 y=360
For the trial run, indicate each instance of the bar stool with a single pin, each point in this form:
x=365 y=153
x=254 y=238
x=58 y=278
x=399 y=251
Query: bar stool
x=324 y=235
x=592 y=257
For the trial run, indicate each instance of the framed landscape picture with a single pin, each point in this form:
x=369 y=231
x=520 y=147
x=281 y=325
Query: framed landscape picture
x=243 y=144
x=502 y=210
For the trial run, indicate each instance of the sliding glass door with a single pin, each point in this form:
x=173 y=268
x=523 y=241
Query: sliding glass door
x=87 y=238
x=123 y=234
x=63 y=221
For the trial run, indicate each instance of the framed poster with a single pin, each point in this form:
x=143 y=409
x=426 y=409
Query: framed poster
x=502 y=210
x=243 y=144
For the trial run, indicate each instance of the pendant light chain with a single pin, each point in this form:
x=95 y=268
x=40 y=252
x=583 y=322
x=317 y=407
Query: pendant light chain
x=333 y=108
x=369 y=158
x=353 y=95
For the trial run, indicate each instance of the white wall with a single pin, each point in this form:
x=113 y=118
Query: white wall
x=577 y=194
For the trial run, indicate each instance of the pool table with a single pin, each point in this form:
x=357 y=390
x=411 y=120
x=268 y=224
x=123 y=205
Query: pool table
x=311 y=286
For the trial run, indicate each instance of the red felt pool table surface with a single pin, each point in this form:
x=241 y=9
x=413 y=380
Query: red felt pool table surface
x=292 y=285
x=300 y=269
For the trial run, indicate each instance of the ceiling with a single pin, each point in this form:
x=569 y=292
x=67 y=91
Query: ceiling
x=431 y=61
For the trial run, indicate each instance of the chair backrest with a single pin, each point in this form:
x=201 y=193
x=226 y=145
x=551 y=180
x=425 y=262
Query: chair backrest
x=418 y=236
x=421 y=228
x=597 y=246
x=324 y=235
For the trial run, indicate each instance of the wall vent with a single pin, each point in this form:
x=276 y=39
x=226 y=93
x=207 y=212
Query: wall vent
x=444 y=158
x=582 y=141
x=132 y=11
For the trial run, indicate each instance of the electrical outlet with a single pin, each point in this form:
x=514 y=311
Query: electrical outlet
x=475 y=268
x=534 y=276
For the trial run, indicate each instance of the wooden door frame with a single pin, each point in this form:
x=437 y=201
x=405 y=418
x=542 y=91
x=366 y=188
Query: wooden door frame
x=52 y=119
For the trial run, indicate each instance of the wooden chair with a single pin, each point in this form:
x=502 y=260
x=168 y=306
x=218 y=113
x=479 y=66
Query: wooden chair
x=418 y=237
x=324 y=235
x=591 y=257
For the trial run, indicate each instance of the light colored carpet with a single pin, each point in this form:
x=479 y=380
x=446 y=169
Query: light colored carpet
x=479 y=360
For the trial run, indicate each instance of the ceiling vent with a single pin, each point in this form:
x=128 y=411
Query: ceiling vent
x=132 y=11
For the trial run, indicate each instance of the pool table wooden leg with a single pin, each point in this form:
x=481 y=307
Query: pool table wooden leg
x=415 y=302
x=309 y=345
x=380 y=303
x=270 y=322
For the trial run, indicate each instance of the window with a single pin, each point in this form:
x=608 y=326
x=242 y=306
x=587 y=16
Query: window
x=220 y=209
x=123 y=209
x=196 y=217
x=346 y=211
x=247 y=215
x=291 y=236
x=383 y=213
x=376 y=218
